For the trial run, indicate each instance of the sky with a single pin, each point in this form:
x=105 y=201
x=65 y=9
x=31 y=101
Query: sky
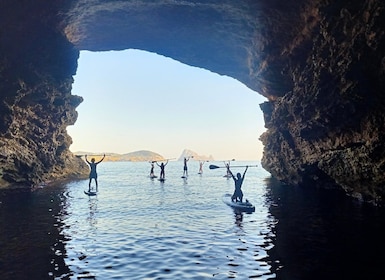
x=136 y=100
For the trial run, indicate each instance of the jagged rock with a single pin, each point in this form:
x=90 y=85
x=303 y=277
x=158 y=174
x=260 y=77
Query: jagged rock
x=321 y=65
x=329 y=129
x=189 y=153
x=36 y=68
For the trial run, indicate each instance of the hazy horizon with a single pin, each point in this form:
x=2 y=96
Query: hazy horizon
x=136 y=100
x=131 y=152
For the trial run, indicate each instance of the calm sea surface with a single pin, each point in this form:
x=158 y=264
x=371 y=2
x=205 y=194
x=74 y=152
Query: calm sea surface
x=138 y=228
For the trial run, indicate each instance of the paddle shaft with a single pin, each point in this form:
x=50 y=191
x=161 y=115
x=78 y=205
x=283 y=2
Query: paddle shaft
x=92 y=155
x=166 y=159
x=215 y=166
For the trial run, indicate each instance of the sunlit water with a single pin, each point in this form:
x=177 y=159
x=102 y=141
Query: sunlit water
x=138 y=228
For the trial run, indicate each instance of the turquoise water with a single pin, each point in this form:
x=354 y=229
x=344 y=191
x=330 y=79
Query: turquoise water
x=138 y=228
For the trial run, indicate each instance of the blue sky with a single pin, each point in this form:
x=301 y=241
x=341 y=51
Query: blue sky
x=136 y=100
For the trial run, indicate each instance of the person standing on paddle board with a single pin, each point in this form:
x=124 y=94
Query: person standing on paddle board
x=152 y=175
x=201 y=167
x=228 y=173
x=238 y=194
x=93 y=174
x=185 y=173
x=162 y=166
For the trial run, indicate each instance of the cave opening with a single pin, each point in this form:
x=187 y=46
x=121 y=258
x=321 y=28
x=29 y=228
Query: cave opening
x=136 y=100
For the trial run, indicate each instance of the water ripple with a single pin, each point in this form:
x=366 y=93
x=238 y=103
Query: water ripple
x=175 y=230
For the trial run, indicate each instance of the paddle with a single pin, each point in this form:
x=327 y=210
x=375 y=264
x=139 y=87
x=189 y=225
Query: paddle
x=92 y=155
x=166 y=159
x=216 y=166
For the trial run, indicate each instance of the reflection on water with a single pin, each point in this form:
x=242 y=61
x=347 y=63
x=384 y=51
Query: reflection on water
x=93 y=207
x=142 y=229
x=238 y=218
x=31 y=243
x=177 y=229
x=322 y=234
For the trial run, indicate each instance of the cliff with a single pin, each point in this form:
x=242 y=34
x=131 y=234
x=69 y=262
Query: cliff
x=36 y=67
x=189 y=153
x=327 y=130
x=321 y=65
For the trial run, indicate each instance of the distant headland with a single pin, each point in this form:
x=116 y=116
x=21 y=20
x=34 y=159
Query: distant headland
x=142 y=155
x=188 y=153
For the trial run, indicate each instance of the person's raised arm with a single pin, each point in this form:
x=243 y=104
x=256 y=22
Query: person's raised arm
x=87 y=160
x=166 y=163
x=102 y=158
x=157 y=163
x=244 y=173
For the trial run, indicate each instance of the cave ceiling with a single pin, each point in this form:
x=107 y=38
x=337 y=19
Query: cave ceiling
x=321 y=65
x=227 y=37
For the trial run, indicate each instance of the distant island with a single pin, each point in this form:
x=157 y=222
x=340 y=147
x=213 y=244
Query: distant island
x=134 y=156
x=142 y=155
x=188 y=153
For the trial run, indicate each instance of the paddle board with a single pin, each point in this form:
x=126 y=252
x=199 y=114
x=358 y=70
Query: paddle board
x=90 y=193
x=245 y=206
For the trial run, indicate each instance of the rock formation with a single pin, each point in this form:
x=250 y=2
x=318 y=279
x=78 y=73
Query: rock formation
x=328 y=129
x=321 y=65
x=36 y=67
x=186 y=153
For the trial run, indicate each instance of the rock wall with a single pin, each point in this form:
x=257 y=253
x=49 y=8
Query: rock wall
x=36 y=67
x=328 y=130
x=320 y=63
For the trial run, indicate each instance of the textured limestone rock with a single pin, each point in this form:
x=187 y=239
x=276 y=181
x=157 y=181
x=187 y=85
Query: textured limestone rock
x=216 y=35
x=321 y=65
x=36 y=68
x=329 y=129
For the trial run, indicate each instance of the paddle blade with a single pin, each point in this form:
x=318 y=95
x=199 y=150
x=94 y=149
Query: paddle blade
x=213 y=166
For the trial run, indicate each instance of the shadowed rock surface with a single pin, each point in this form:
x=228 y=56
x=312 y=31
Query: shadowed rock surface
x=321 y=65
x=36 y=67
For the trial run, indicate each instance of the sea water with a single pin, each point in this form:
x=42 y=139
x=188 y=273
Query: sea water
x=140 y=228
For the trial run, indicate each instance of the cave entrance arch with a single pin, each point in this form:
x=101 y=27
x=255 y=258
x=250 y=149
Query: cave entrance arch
x=137 y=100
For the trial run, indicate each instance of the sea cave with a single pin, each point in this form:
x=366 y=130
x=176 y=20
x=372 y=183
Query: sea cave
x=320 y=64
